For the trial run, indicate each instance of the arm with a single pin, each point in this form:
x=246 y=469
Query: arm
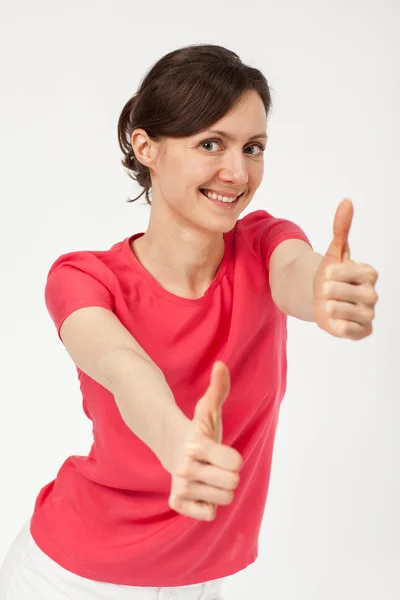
x=332 y=290
x=292 y=268
x=103 y=348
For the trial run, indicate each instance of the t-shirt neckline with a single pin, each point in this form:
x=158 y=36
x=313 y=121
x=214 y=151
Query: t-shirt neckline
x=134 y=263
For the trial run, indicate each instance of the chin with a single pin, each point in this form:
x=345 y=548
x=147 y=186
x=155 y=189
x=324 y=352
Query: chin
x=221 y=223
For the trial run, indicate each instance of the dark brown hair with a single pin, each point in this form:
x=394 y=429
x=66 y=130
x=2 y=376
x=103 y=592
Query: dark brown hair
x=186 y=91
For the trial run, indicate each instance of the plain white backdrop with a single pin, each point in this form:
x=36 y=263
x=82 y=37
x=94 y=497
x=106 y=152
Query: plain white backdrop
x=332 y=522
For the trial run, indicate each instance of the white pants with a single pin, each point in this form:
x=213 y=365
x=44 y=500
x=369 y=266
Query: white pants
x=29 y=574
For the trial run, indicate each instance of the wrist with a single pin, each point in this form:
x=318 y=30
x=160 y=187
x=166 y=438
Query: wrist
x=175 y=430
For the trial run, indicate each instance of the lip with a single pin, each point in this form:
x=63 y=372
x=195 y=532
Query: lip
x=223 y=205
x=227 y=194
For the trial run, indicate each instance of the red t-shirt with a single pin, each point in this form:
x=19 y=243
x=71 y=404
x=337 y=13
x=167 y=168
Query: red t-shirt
x=106 y=515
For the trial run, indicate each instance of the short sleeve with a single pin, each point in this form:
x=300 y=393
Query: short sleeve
x=263 y=233
x=78 y=280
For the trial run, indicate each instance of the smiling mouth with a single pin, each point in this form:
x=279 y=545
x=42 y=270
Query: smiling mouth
x=227 y=202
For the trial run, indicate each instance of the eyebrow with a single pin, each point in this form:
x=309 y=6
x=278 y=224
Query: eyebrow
x=231 y=137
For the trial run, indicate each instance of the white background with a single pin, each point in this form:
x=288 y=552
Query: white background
x=332 y=524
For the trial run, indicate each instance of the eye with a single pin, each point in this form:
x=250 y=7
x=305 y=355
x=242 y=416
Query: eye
x=208 y=142
x=260 y=146
x=217 y=141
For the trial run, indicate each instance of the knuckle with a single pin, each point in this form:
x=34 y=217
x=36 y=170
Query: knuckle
x=368 y=275
x=186 y=469
x=371 y=273
x=344 y=328
x=191 y=449
x=235 y=480
x=235 y=464
x=369 y=295
x=183 y=487
x=370 y=314
x=330 y=307
x=212 y=513
x=173 y=502
x=365 y=332
x=239 y=462
x=228 y=498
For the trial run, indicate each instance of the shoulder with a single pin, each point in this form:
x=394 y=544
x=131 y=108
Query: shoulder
x=80 y=279
x=98 y=264
x=253 y=220
x=262 y=232
x=252 y=227
x=258 y=223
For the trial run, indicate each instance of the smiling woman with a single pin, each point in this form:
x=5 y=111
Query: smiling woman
x=173 y=491
x=187 y=92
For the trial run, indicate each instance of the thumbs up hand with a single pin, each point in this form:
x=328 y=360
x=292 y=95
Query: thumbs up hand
x=344 y=290
x=205 y=471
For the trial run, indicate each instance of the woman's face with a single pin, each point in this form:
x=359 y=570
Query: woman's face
x=231 y=165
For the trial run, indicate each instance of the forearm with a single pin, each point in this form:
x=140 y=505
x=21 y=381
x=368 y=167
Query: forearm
x=295 y=294
x=145 y=401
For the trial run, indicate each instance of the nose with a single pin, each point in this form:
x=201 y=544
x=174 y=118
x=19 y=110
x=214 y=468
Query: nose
x=235 y=170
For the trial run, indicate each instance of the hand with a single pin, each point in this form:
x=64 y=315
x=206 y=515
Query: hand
x=205 y=472
x=344 y=291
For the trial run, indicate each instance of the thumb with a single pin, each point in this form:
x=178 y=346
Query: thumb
x=218 y=389
x=339 y=248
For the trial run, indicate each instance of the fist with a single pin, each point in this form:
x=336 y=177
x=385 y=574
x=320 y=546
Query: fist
x=344 y=290
x=205 y=472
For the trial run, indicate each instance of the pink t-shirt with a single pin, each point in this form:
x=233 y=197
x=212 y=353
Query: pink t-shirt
x=106 y=515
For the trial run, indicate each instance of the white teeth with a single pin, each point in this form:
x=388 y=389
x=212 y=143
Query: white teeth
x=215 y=196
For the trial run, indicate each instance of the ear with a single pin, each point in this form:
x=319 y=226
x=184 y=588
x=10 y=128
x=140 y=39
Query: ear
x=145 y=149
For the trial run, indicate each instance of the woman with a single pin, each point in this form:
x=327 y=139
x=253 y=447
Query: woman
x=167 y=504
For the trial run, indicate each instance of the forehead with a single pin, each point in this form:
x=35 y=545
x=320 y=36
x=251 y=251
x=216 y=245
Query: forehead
x=250 y=108
x=248 y=118
x=244 y=121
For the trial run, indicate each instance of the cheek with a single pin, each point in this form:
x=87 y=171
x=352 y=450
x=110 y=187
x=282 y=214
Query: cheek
x=172 y=178
x=200 y=172
x=185 y=174
x=256 y=174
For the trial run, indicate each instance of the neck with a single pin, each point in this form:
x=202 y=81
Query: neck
x=184 y=260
